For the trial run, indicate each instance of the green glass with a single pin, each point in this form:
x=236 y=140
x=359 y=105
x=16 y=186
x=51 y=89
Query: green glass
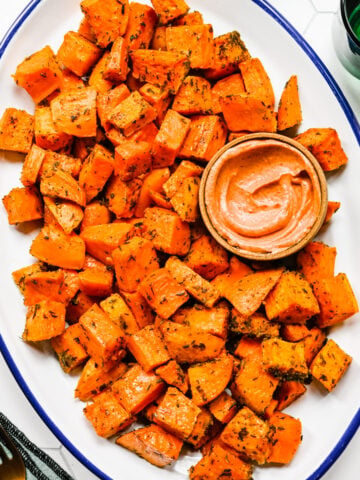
x=354 y=20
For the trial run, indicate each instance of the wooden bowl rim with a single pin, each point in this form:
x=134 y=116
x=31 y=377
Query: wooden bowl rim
x=265 y=256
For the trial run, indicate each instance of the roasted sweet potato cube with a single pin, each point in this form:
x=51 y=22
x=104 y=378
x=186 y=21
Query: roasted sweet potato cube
x=285 y=438
x=249 y=347
x=40 y=286
x=207 y=258
x=246 y=112
x=206 y=136
x=46 y=134
x=95 y=213
x=16 y=130
x=23 y=204
x=194 y=97
x=230 y=50
x=185 y=170
x=70 y=81
x=141 y=26
x=188 y=345
x=52 y=245
x=77 y=53
x=117 y=66
x=325 y=145
x=31 y=166
x=209 y=379
x=177 y=413
x=174 y=375
x=336 y=299
x=122 y=196
x=223 y=408
x=253 y=386
x=96 y=171
x=237 y=270
x=85 y=30
x=97 y=80
x=248 y=293
x=107 y=101
x=191 y=18
x=61 y=184
x=169 y=139
x=107 y=416
x=94 y=379
x=284 y=359
x=158 y=98
x=193 y=283
x=194 y=41
x=292 y=300
x=44 y=320
x=148 y=348
x=167 y=231
x=289 y=110
x=203 y=430
x=133 y=260
x=136 y=389
x=257 y=82
x=101 y=240
x=211 y=320
x=39 y=74
x=119 y=313
x=186 y=200
x=288 y=392
x=20 y=275
x=169 y=10
x=153 y=444
x=67 y=346
x=332 y=208
x=132 y=114
x=330 y=364
x=101 y=338
x=108 y=20
x=54 y=162
x=132 y=159
x=139 y=307
x=74 y=112
x=77 y=307
x=96 y=282
x=248 y=434
x=158 y=41
x=165 y=70
x=313 y=343
x=316 y=261
x=162 y=292
x=231 y=85
x=256 y=325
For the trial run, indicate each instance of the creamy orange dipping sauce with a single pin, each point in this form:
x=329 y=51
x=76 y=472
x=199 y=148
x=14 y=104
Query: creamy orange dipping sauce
x=263 y=196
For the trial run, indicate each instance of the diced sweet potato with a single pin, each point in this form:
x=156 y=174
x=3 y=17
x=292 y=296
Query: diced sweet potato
x=119 y=313
x=330 y=364
x=284 y=359
x=148 y=348
x=231 y=85
x=249 y=347
x=16 y=130
x=174 y=375
x=85 y=30
x=185 y=170
x=20 y=275
x=96 y=282
x=39 y=74
x=66 y=214
x=107 y=416
x=203 y=429
x=237 y=270
x=332 y=208
x=96 y=171
x=289 y=109
x=186 y=200
x=44 y=320
x=31 y=166
x=78 y=305
x=285 y=438
x=97 y=80
x=23 y=204
x=122 y=196
x=289 y=391
x=223 y=408
x=60 y=184
x=54 y=162
x=248 y=434
x=194 y=97
x=46 y=134
x=77 y=53
x=141 y=26
x=95 y=213
x=188 y=345
x=169 y=10
x=117 y=62
x=132 y=159
x=316 y=261
x=40 y=286
x=152 y=182
x=206 y=136
x=158 y=98
x=313 y=343
x=207 y=258
x=70 y=352
x=191 y=18
x=256 y=325
x=107 y=101
x=257 y=82
x=158 y=41
x=136 y=389
x=294 y=332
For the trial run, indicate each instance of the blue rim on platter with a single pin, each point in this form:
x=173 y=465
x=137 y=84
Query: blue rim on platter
x=355 y=422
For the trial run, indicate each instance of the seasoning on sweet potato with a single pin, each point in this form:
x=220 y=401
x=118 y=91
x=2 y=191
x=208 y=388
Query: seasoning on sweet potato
x=16 y=130
x=206 y=136
x=78 y=305
x=97 y=79
x=162 y=292
x=74 y=112
x=289 y=109
x=66 y=214
x=231 y=85
x=77 y=53
x=46 y=134
x=153 y=444
x=133 y=260
x=336 y=299
x=253 y=386
x=108 y=20
x=158 y=41
x=165 y=70
x=132 y=159
x=70 y=81
x=139 y=307
x=121 y=197
x=96 y=282
x=148 y=348
x=60 y=184
x=85 y=30
x=167 y=231
x=209 y=379
x=284 y=359
x=206 y=257
x=294 y=332
x=96 y=171
x=136 y=389
x=54 y=162
x=40 y=286
x=169 y=10
x=94 y=379
x=211 y=320
x=332 y=208
x=158 y=98
x=325 y=145
x=141 y=26
x=31 y=166
x=185 y=202
x=119 y=313
x=249 y=347
x=230 y=50
x=107 y=416
x=237 y=270
x=193 y=97
x=223 y=408
x=203 y=429
x=174 y=375
x=188 y=345
x=70 y=352
x=316 y=261
x=247 y=112
x=185 y=170
x=313 y=343
x=288 y=392
x=248 y=434
x=23 y=204
x=285 y=438
x=44 y=320
x=19 y=276
x=116 y=68
x=95 y=213
x=191 y=18
x=256 y=81
x=256 y=325
x=39 y=74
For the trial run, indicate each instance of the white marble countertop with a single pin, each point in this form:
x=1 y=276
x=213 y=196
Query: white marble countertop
x=313 y=19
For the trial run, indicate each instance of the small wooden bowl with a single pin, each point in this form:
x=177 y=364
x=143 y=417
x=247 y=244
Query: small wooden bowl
x=266 y=256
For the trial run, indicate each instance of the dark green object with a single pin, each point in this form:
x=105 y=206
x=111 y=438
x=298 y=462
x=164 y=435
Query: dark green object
x=354 y=20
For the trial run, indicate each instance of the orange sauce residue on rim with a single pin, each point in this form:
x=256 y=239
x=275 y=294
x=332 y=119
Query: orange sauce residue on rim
x=263 y=196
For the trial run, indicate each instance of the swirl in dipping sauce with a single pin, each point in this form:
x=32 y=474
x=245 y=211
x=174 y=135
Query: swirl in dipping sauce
x=263 y=195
